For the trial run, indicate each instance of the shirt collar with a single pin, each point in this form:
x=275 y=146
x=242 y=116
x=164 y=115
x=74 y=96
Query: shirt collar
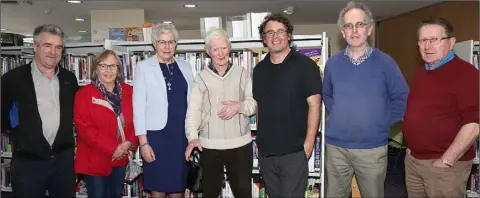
x=36 y=70
x=290 y=54
x=211 y=67
x=366 y=54
x=447 y=58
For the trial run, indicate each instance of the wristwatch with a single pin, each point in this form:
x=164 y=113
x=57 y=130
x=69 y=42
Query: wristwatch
x=446 y=163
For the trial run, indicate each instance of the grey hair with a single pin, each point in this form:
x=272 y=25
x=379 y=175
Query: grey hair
x=160 y=28
x=355 y=5
x=216 y=33
x=48 y=28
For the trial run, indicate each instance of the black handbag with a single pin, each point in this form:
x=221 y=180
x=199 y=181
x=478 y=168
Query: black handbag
x=194 y=178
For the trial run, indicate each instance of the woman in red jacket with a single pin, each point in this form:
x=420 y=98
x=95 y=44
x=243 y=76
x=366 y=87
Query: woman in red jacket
x=103 y=116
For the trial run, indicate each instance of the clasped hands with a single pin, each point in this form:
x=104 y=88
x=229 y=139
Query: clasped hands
x=122 y=150
x=230 y=109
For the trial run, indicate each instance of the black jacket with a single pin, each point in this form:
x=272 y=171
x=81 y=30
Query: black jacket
x=27 y=138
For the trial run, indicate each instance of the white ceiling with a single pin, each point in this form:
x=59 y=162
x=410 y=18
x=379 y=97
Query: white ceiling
x=22 y=18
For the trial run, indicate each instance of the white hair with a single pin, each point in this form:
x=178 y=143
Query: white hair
x=355 y=5
x=164 y=28
x=216 y=33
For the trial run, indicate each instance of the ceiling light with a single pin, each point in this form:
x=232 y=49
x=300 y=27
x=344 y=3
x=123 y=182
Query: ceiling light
x=28 y=40
x=167 y=22
x=79 y=19
x=289 y=10
x=82 y=31
x=190 y=6
x=74 y=1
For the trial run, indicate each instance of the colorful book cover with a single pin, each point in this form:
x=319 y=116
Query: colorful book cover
x=134 y=33
x=316 y=55
x=117 y=34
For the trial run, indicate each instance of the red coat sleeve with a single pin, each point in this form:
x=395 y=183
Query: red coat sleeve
x=130 y=136
x=129 y=128
x=468 y=94
x=86 y=130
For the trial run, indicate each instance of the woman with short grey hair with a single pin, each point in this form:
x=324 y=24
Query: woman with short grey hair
x=161 y=89
x=218 y=121
x=163 y=28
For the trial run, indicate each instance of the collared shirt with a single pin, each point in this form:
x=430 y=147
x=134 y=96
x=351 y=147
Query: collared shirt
x=449 y=57
x=47 y=93
x=362 y=58
x=216 y=71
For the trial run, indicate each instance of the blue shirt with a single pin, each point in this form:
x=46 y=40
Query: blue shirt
x=447 y=58
x=362 y=101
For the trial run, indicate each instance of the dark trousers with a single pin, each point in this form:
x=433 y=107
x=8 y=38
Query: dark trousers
x=32 y=177
x=239 y=164
x=106 y=187
x=285 y=175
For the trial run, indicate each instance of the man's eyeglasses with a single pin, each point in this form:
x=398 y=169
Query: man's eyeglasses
x=104 y=67
x=357 y=25
x=271 y=33
x=433 y=41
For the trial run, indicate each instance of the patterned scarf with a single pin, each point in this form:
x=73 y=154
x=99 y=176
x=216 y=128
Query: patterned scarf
x=115 y=98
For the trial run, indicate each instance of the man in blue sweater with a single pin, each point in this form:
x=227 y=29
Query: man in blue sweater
x=365 y=94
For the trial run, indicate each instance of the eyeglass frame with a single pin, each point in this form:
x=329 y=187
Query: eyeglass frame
x=105 y=67
x=432 y=41
x=358 y=25
x=164 y=43
x=271 y=33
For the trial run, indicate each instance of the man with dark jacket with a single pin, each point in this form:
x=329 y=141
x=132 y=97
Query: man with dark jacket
x=42 y=142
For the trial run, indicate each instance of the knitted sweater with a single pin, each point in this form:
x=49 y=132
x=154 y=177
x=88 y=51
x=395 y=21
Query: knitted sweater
x=209 y=91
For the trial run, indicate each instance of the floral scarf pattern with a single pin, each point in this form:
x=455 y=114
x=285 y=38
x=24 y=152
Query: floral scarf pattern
x=115 y=98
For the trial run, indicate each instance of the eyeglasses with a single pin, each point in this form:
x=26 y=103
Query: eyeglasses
x=271 y=33
x=433 y=41
x=104 y=67
x=357 y=25
x=163 y=42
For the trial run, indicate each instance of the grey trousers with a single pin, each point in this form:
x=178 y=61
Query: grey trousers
x=285 y=175
x=368 y=165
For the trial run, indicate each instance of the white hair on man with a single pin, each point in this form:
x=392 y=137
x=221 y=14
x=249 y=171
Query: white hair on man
x=214 y=34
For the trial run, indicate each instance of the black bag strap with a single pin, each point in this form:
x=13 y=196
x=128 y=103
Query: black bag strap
x=195 y=156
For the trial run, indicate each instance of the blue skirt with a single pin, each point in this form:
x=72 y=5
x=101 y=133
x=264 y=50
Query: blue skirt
x=168 y=173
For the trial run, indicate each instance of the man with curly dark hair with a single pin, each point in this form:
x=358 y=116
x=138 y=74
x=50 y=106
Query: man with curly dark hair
x=287 y=87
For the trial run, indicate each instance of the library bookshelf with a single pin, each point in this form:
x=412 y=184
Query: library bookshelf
x=469 y=51
x=78 y=58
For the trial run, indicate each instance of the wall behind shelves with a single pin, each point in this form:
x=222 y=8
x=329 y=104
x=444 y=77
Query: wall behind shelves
x=397 y=36
x=337 y=42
